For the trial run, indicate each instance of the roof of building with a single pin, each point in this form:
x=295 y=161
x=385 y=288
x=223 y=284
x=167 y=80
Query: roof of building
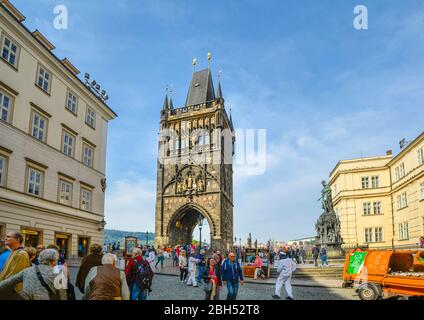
x=201 y=88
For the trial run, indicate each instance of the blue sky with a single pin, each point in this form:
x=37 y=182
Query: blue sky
x=322 y=90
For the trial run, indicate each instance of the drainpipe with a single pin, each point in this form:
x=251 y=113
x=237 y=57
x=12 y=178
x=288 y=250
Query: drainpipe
x=393 y=211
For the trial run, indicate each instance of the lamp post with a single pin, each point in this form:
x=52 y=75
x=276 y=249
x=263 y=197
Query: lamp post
x=200 y=220
x=147 y=238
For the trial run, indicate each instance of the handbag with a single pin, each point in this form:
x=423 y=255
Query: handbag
x=207 y=286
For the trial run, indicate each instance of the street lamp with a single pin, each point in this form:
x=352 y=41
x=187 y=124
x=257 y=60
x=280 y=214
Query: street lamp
x=200 y=220
x=147 y=238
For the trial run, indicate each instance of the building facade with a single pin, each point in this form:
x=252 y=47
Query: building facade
x=53 y=137
x=194 y=174
x=380 y=200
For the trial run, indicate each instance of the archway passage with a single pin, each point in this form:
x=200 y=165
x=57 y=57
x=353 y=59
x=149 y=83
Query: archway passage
x=183 y=224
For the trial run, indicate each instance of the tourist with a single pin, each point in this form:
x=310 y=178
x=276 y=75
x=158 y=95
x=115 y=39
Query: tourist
x=139 y=276
x=421 y=243
x=315 y=254
x=40 y=248
x=17 y=261
x=232 y=275
x=182 y=264
x=258 y=267
x=192 y=270
x=302 y=255
x=219 y=259
x=175 y=255
x=161 y=257
x=271 y=257
x=4 y=254
x=113 y=247
x=94 y=259
x=323 y=255
x=213 y=279
x=105 y=248
x=286 y=267
x=39 y=281
x=63 y=269
x=32 y=254
x=151 y=258
x=201 y=265
x=106 y=282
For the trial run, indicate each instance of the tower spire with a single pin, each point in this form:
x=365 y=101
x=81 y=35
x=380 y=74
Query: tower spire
x=165 y=103
x=219 y=90
x=171 y=105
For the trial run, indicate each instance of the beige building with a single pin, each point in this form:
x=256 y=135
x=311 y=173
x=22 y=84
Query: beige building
x=380 y=200
x=53 y=137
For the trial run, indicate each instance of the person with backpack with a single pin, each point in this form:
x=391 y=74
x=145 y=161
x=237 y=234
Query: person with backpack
x=286 y=267
x=232 y=275
x=139 y=276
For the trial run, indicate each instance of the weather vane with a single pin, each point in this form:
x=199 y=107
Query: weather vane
x=209 y=59
x=194 y=64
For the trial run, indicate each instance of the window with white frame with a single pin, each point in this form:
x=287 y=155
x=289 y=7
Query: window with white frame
x=422 y=190
x=71 y=102
x=86 y=196
x=377 y=207
x=68 y=143
x=403 y=231
x=400 y=171
x=378 y=234
x=65 y=192
x=365 y=182
x=2 y=171
x=44 y=79
x=402 y=200
x=5 y=106
x=88 y=154
x=91 y=117
x=39 y=126
x=367 y=208
x=35 y=180
x=375 y=182
x=421 y=156
x=10 y=51
x=368 y=235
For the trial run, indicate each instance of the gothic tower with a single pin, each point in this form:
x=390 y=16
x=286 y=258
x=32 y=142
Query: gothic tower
x=195 y=172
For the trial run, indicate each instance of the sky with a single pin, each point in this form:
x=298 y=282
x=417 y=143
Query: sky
x=321 y=89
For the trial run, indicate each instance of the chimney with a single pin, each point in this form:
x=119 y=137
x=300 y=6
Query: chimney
x=389 y=152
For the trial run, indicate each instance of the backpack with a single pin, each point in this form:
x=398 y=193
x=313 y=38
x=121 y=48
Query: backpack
x=142 y=276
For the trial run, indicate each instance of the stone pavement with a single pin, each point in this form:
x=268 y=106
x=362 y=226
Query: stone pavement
x=170 y=270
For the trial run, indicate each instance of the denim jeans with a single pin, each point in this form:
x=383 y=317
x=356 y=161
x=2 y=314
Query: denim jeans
x=200 y=271
x=137 y=293
x=232 y=290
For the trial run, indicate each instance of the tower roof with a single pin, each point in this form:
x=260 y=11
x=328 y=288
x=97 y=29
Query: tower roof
x=165 y=103
x=201 y=88
x=219 y=91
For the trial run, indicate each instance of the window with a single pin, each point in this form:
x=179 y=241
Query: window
x=335 y=189
x=43 y=79
x=377 y=207
x=421 y=156
x=400 y=171
x=368 y=235
x=378 y=232
x=365 y=182
x=71 y=102
x=88 y=154
x=5 y=106
x=10 y=51
x=367 y=208
x=403 y=231
x=86 y=199
x=39 y=126
x=2 y=171
x=402 y=200
x=422 y=190
x=91 y=118
x=34 y=182
x=68 y=144
x=374 y=234
x=375 y=181
x=65 y=192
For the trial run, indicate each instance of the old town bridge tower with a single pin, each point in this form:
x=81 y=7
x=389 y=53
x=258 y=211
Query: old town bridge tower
x=195 y=172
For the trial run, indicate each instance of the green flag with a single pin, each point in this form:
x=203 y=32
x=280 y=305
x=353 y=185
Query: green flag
x=356 y=262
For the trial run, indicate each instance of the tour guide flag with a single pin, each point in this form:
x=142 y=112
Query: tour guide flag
x=356 y=262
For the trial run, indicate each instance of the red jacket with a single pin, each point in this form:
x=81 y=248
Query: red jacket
x=131 y=269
